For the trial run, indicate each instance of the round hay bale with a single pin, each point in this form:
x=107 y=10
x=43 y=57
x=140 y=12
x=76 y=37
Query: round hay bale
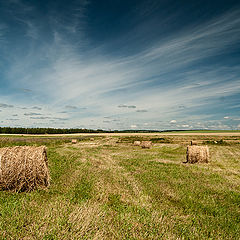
x=74 y=141
x=146 y=144
x=23 y=168
x=197 y=154
x=137 y=143
x=91 y=139
x=193 y=143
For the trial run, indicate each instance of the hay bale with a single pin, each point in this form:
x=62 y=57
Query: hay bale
x=91 y=139
x=137 y=143
x=146 y=144
x=193 y=143
x=197 y=154
x=74 y=141
x=23 y=168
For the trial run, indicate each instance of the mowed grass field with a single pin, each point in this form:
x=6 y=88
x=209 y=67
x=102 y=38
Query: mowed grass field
x=109 y=189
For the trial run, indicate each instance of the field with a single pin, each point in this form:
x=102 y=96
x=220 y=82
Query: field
x=106 y=188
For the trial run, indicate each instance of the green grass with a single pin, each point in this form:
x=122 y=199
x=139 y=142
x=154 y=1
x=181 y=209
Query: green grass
x=106 y=190
x=182 y=192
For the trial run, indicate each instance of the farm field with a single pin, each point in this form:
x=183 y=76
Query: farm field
x=106 y=188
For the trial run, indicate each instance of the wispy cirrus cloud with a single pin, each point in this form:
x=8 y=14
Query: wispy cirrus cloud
x=183 y=73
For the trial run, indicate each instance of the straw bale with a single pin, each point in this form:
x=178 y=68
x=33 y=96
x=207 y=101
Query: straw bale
x=146 y=144
x=197 y=154
x=23 y=168
x=137 y=143
x=193 y=142
x=91 y=139
x=74 y=141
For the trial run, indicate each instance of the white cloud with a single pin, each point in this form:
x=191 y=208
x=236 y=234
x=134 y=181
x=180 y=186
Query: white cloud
x=173 y=121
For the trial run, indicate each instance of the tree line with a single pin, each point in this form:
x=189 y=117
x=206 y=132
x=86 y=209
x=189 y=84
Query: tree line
x=20 y=130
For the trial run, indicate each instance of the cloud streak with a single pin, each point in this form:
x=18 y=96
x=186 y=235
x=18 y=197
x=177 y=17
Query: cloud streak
x=32 y=114
x=4 y=105
x=126 y=106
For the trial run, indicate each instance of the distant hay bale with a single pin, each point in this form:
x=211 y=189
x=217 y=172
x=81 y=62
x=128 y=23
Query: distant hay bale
x=146 y=144
x=193 y=143
x=74 y=141
x=23 y=168
x=91 y=139
x=197 y=154
x=137 y=143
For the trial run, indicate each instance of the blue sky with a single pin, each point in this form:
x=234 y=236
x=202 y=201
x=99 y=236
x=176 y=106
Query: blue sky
x=120 y=64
